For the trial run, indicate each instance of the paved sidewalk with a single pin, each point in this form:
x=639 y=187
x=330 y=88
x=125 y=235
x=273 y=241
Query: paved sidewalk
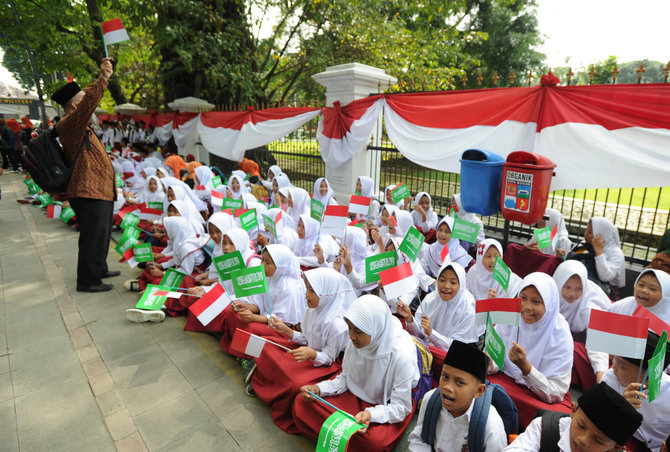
x=76 y=375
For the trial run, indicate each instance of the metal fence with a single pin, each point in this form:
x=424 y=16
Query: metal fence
x=641 y=214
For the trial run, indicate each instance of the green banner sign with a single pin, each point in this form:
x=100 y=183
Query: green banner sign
x=227 y=264
x=67 y=214
x=317 y=209
x=143 y=252
x=543 y=237
x=656 y=367
x=130 y=220
x=464 y=230
x=378 y=263
x=411 y=244
x=216 y=181
x=399 y=193
x=232 y=204
x=151 y=302
x=172 y=278
x=248 y=220
x=155 y=205
x=494 y=345
x=501 y=273
x=249 y=281
x=336 y=432
x=270 y=226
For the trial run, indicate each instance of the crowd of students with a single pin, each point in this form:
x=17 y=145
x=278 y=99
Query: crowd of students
x=362 y=351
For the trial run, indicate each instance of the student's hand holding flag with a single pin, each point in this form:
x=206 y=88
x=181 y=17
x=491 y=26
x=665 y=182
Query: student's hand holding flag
x=318 y=252
x=377 y=238
x=345 y=258
x=491 y=293
x=531 y=246
x=403 y=310
x=156 y=272
x=247 y=316
x=517 y=354
x=280 y=327
x=305 y=391
x=196 y=291
x=633 y=394
x=363 y=417
x=560 y=253
x=301 y=354
x=106 y=68
x=425 y=324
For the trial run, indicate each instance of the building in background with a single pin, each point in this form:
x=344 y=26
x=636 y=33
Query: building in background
x=15 y=102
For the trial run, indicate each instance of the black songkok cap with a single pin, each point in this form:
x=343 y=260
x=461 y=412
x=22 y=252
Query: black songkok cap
x=610 y=412
x=66 y=93
x=468 y=358
x=652 y=341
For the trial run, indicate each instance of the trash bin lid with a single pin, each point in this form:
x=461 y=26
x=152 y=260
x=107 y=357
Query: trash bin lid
x=482 y=156
x=530 y=158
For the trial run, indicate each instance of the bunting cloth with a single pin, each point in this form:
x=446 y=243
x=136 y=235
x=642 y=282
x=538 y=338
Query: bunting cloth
x=229 y=133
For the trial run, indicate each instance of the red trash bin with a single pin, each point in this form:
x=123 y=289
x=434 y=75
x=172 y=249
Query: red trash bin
x=526 y=181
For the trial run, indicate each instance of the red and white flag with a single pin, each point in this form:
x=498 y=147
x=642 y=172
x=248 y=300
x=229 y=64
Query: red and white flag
x=217 y=198
x=656 y=324
x=247 y=343
x=554 y=237
x=113 y=31
x=150 y=214
x=617 y=334
x=445 y=252
x=398 y=280
x=239 y=212
x=504 y=311
x=210 y=305
x=167 y=293
x=129 y=258
x=335 y=220
x=360 y=205
x=125 y=210
x=393 y=221
x=54 y=210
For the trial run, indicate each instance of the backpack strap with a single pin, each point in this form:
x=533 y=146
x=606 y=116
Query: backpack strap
x=430 y=418
x=551 y=432
x=478 y=419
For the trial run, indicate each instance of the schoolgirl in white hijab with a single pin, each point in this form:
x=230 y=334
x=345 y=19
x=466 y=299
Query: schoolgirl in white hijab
x=186 y=247
x=298 y=203
x=422 y=209
x=179 y=193
x=405 y=221
x=563 y=242
x=168 y=182
x=480 y=279
x=645 y=293
x=272 y=172
x=203 y=177
x=304 y=248
x=250 y=202
x=157 y=195
x=185 y=212
x=285 y=234
x=149 y=170
x=577 y=307
x=388 y=200
x=224 y=223
x=323 y=327
x=280 y=181
x=328 y=198
x=351 y=262
x=467 y=216
x=286 y=288
x=547 y=342
x=431 y=255
x=451 y=316
x=384 y=371
x=365 y=187
x=162 y=172
x=241 y=188
x=387 y=211
x=610 y=265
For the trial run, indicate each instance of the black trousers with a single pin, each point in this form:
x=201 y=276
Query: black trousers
x=95 y=229
x=10 y=157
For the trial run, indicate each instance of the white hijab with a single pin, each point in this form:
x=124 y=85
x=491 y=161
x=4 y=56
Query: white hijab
x=405 y=221
x=367 y=187
x=400 y=204
x=325 y=323
x=286 y=288
x=388 y=360
x=197 y=202
x=563 y=242
x=241 y=241
x=628 y=305
x=205 y=177
x=455 y=318
x=578 y=312
x=275 y=170
x=305 y=247
x=467 y=216
x=316 y=193
x=180 y=195
x=149 y=196
x=479 y=278
x=357 y=241
x=301 y=203
x=286 y=235
x=184 y=212
x=182 y=238
x=456 y=252
x=223 y=223
x=548 y=342
x=612 y=251
x=416 y=216
x=243 y=188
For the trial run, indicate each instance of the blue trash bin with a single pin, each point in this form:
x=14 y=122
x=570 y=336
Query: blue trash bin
x=481 y=172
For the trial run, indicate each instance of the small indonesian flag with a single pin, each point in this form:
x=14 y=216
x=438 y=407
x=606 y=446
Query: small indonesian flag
x=129 y=258
x=199 y=187
x=238 y=212
x=554 y=237
x=113 y=31
x=279 y=217
x=217 y=198
x=149 y=214
x=247 y=343
x=617 y=334
x=168 y=294
x=335 y=220
x=53 y=211
x=210 y=305
x=393 y=221
x=122 y=212
x=445 y=252
x=359 y=204
x=656 y=324
x=357 y=223
x=505 y=311
x=398 y=280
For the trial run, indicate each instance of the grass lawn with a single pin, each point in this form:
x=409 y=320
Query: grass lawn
x=629 y=196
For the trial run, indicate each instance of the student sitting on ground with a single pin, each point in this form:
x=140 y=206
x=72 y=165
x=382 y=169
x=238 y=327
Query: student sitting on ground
x=461 y=382
x=601 y=421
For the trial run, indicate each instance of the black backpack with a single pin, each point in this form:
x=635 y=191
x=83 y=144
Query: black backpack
x=494 y=395
x=45 y=161
x=550 y=430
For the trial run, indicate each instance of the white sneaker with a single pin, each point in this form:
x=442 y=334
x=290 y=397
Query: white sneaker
x=141 y=316
x=132 y=285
